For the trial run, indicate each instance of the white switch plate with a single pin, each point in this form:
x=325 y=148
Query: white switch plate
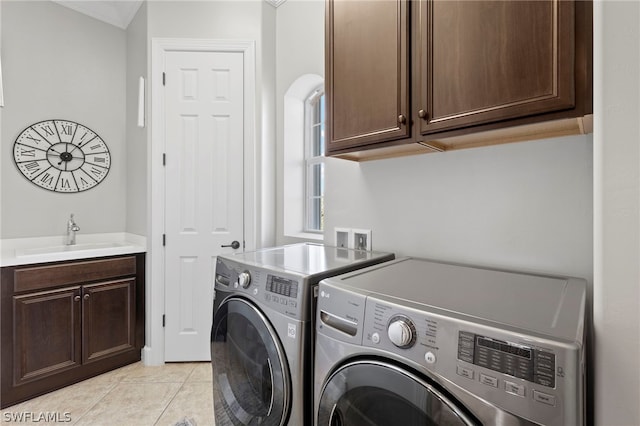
x=361 y=239
x=343 y=237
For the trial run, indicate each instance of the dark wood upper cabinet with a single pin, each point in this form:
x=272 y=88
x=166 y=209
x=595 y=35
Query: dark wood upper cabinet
x=367 y=72
x=469 y=73
x=484 y=61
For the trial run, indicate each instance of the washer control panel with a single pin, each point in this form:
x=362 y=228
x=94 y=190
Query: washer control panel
x=279 y=292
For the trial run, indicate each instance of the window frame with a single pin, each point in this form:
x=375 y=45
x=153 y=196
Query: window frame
x=313 y=220
x=293 y=201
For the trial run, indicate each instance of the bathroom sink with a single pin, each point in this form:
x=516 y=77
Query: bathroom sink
x=32 y=250
x=66 y=249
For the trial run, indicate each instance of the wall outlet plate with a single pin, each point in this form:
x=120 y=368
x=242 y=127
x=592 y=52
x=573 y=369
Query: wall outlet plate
x=361 y=239
x=343 y=237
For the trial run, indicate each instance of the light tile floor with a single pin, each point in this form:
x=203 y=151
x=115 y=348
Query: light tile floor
x=134 y=395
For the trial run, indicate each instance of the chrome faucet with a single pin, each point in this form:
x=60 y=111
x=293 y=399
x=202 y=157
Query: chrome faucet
x=72 y=228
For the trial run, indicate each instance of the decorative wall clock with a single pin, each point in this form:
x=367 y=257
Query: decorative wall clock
x=62 y=156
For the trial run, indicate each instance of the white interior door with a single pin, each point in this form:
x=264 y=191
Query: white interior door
x=204 y=189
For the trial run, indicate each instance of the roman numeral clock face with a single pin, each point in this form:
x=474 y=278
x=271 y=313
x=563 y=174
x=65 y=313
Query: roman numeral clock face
x=62 y=156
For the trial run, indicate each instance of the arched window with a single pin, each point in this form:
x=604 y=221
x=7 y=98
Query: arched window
x=303 y=155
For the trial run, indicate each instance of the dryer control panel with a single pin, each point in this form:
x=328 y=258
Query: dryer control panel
x=519 y=361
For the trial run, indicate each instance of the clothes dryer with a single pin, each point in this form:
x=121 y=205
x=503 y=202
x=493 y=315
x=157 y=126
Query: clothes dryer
x=262 y=331
x=417 y=342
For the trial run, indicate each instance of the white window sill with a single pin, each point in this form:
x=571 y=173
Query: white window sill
x=306 y=236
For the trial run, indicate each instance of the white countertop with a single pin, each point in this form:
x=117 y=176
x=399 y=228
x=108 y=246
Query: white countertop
x=24 y=251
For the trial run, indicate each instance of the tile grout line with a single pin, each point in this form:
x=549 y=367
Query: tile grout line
x=174 y=396
x=115 y=385
x=168 y=404
x=118 y=381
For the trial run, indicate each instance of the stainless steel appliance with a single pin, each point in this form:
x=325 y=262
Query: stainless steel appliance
x=262 y=332
x=417 y=342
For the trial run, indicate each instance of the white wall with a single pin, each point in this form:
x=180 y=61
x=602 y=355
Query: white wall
x=523 y=206
x=299 y=51
x=58 y=63
x=1 y=109
x=267 y=149
x=234 y=20
x=206 y=19
x=136 y=201
x=617 y=215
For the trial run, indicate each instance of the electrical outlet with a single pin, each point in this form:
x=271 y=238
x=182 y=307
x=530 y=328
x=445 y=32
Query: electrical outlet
x=343 y=237
x=362 y=239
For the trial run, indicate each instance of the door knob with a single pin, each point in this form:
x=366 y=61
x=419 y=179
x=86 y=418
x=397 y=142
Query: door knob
x=422 y=114
x=234 y=245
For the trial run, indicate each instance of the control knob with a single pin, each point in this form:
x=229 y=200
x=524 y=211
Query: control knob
x=401 y=332
x=244 y=279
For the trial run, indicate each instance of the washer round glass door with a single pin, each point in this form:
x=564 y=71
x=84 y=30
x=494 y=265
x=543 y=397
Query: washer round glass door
x=376 y=393
x=250 y=382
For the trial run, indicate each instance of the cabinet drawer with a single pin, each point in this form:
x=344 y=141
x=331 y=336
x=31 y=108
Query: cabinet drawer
x=41 y=277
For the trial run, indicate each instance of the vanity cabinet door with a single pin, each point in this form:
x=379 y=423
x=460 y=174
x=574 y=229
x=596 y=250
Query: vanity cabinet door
x=47 y=338
x=367 y=74
x=108 y=319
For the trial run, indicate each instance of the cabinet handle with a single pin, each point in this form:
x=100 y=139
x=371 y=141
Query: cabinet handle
x=422 y=114
x=402 y=119
x=86 y=297
x=77 y=298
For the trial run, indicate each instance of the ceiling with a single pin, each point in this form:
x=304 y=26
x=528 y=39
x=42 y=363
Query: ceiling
x=116 y=12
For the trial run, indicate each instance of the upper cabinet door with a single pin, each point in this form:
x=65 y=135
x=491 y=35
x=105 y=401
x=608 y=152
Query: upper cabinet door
x=367 y=74
x=487 y=61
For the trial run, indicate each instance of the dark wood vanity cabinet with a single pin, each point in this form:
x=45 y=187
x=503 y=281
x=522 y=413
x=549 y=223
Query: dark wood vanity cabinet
x=424 y=71
x=65 y=322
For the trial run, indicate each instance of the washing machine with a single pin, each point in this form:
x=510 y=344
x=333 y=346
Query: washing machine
x=262 y=331
x=418 y=342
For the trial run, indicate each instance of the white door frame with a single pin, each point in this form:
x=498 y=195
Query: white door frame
x=153 y=353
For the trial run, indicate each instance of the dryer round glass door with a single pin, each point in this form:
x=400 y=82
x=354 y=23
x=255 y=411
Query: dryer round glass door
x=251 y=384
x=381 y=394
